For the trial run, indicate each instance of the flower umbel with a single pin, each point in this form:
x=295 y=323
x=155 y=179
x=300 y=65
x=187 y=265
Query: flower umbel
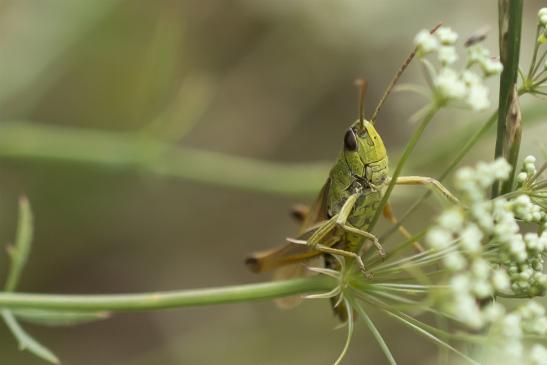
x=486 y=253
x=450 y=85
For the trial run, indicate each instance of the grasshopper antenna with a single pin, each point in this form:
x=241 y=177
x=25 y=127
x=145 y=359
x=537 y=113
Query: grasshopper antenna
x=362 y=84
x=396 y=78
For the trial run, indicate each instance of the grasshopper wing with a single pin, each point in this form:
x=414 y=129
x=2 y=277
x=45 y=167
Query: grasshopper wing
x=291 y=253
x=297 y=269
x=277 y=257
x=319 y=210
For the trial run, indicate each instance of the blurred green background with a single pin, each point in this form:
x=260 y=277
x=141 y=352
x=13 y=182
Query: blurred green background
x=264 y=80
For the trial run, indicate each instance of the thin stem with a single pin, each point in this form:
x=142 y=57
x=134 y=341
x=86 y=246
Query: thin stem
x=539 y=64
x=130 y=152
x=168 y=299
x=461 y=154
x=534 y=56
x=397 y=76
x=377 y=335
x=406 y=154
x=349 y=336
x=430 y=336
x=540 y=82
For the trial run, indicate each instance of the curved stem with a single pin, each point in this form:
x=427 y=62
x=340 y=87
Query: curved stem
x=404 y=157
x=455 y=162
x=134 y=152
x=168 y=299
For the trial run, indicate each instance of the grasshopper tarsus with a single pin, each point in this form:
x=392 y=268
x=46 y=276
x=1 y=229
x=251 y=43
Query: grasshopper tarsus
x=366 y=273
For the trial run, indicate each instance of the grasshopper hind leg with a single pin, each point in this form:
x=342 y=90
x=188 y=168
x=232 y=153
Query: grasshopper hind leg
x=332 y=231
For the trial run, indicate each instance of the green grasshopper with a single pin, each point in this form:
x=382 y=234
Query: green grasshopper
x=339 y=221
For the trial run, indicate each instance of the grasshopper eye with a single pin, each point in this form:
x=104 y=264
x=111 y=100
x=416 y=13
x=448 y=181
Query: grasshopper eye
x=350 y=142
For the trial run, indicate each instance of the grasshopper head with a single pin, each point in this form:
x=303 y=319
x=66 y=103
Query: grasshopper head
x=363 y=146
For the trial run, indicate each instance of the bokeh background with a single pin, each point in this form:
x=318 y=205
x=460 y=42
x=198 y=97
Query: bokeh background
x=240 y=87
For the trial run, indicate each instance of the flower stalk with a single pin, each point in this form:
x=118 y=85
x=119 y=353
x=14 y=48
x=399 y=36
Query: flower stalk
x=168 y=299
x=510 y=25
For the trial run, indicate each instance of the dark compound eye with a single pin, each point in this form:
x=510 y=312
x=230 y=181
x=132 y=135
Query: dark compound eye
x=350 y=143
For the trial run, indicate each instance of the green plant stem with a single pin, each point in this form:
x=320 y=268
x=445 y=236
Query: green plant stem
x=38 y=143
x=134 y=152
x=531 y=71
x=168 y=299
x=510 y=25
x=461 y=154
x=404 y=157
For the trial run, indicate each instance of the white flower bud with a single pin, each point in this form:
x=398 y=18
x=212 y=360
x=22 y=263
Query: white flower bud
x=491 y=67
x=471 y=78
x=446 y=35
x=538 y=353
x=459 y=284
x=522 y=176
x=438 y=238
x=447 y=55
x=511 y=325
x=454 y=261
x=530 y=158
x=477 y=97
x=451 y=220
x=471 y=238
x=477 y=54
x=542 y=16
x=449 y=85
x=500 y=280
x=467 y=311
x=480 y=268
x=482 y=289
x=426 y=42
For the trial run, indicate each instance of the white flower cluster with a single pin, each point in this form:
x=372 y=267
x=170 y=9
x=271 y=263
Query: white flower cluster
x=521 y=255
x=509 y=330
x=531 y=208
x=482 y=246
x=528 y=170
x=477 y=54
x=542 y=18
x=450 y=85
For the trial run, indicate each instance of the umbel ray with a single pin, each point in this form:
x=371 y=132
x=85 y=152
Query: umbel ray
x=340 y=220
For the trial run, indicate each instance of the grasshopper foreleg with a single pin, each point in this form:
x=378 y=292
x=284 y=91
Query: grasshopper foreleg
x=421 y=180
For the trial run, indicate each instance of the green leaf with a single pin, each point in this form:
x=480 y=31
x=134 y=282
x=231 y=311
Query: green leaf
x=53 y=318
x=23 y=240
x=26 y=342
x=19 y=254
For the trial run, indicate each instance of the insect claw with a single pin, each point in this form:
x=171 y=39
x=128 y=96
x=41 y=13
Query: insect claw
x=362 y=267
x=366 y=274
x=380 y=249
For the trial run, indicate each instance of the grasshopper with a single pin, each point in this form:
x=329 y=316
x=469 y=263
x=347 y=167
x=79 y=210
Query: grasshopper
x=339 y=221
